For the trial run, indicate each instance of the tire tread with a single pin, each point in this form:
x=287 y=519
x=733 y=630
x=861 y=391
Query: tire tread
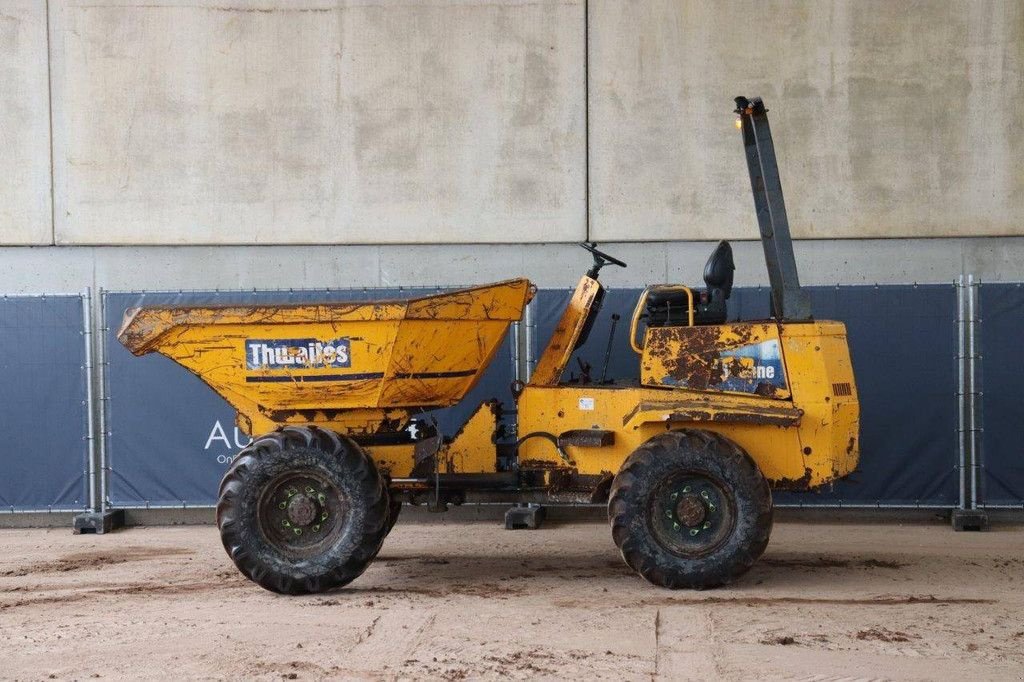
x=352 y=459
x=641 y=553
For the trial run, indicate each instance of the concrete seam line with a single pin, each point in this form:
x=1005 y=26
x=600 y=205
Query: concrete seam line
x=49 y=111
x=586 y=118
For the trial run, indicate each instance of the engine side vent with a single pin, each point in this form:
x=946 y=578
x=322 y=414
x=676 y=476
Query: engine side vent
x=841 y=389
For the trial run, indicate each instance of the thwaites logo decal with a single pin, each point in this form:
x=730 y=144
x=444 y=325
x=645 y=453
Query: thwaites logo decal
x=297 y=353
x=747 y=367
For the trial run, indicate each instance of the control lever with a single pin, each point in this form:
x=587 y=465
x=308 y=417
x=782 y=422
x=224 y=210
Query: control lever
x=584 y=370
x=608 y=350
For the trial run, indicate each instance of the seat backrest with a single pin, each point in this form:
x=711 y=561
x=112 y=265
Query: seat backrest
x=718 y=272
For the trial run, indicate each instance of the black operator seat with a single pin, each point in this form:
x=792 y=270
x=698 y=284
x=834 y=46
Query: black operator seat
x=668 y=307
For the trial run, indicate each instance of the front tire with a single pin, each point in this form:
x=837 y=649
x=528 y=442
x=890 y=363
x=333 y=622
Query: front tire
x=394 y=510
x=690 y=509
x=302 y=510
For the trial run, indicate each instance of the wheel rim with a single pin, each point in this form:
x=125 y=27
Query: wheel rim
x=691 y=514
x=299 y=513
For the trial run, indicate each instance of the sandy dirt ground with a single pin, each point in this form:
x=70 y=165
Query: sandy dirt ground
x=471 y=600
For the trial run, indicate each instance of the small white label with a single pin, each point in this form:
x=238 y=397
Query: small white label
x=586 y=403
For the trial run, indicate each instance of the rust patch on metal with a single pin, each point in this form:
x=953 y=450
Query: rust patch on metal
x=541 y=464
x=690 y=510
x=766 y=389
x=688 y=354
x=802 y=483
x=747 y=416
x=706 y=410
x=691 y=356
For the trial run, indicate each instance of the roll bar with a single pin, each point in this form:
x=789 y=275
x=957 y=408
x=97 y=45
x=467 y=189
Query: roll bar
x=789 y=300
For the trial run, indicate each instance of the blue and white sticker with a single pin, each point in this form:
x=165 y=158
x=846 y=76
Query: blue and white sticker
x=270 y=354
x=744 y=368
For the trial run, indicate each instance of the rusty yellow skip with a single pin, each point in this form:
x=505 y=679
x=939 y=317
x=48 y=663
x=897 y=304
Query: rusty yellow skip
x=683 y=457
x=395 y=357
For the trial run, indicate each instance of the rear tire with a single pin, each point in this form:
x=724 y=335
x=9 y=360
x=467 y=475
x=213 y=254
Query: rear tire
x=302 y=510
x=690 y=509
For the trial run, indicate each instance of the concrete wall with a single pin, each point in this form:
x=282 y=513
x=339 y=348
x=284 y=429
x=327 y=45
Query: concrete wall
x=304 y=121
x=361 y=127
x=25 y=214
x=821 y=262
x=891 y=119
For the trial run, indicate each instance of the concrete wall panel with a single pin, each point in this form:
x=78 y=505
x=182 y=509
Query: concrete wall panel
x=25 y=211
x=28 y=270
x=318 y=121
x=890 y=119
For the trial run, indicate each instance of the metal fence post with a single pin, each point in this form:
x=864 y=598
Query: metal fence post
x=101 y=348
x=90 y=405
x=969 y=516
x=100 y=519
x=530 y=328
x=514 y=344
x=972 y=330
x=961 y=397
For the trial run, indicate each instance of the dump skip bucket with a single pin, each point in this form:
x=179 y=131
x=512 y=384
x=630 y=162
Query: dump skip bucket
x=288 y=363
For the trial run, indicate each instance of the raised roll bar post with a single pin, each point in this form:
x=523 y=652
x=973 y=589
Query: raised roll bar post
x=789 y=301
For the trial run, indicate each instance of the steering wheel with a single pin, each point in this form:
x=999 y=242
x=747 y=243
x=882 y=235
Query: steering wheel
x=601 y=259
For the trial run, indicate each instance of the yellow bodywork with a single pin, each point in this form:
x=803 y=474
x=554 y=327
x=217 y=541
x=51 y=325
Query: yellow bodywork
x=798 y=417
x=800 y=440
x=563 y=340
x=352 y=367
x=472 y=450
x=783 y=391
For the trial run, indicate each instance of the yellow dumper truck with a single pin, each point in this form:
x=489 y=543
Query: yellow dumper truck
x=683 y=458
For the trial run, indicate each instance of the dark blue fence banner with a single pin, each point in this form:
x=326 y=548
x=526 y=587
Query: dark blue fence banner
x=43 y=404
x=903 y=345
x=1001 y=330
x=171 y=437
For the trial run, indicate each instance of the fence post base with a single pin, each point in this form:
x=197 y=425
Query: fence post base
x=969 y=519
x=523 y=516
x=99 y=522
